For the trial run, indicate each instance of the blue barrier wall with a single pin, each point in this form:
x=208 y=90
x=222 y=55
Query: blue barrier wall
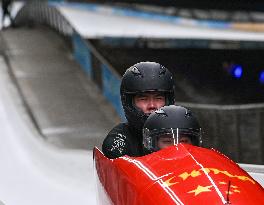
x=111 y=87
x=82 y=53
x=110 y=81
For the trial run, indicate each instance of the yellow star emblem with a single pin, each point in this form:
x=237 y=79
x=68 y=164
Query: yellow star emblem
x=193 y=174
x=168 y=182
x=200 y=189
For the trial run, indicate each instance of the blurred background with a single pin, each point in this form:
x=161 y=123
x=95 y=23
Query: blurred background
x=67 y=57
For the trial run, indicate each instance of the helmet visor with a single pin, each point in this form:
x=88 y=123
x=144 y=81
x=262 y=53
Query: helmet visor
x=158 y=139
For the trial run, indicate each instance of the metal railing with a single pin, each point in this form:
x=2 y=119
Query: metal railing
x=39 y=12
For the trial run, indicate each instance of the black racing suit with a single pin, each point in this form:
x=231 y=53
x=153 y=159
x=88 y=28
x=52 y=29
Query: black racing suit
x=122 y=140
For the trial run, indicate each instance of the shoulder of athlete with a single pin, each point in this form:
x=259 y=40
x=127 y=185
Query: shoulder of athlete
x=115 y=143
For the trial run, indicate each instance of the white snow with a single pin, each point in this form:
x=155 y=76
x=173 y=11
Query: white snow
x=32 y=171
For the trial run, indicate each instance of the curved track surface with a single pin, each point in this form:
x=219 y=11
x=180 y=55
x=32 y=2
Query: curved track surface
x=48 y=161
x=32 y=170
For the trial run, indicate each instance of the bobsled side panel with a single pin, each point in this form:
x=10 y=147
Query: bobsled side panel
x=181 y=174
x=118 y=186
x=103 y=165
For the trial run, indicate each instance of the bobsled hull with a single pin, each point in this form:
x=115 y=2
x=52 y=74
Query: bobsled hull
x=180 y=174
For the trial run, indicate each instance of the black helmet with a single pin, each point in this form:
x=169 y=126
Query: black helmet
x=144 y=77
x=171 y=122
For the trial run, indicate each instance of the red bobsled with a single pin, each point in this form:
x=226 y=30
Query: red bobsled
x=181 y=174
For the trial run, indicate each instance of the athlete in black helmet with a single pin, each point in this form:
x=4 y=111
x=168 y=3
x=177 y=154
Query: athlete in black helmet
x=171 y=125
x=145 y=87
